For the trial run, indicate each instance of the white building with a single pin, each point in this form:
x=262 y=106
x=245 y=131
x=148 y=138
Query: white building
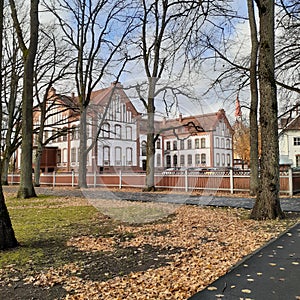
x=188 y=142
x=289 y=139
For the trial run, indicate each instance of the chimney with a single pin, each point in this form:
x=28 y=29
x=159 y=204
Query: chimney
x=180 y=117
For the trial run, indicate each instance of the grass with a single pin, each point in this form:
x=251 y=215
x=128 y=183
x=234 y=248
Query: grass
x=42 y=226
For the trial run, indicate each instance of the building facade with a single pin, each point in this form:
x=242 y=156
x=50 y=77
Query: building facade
x=117 y=134
x=289 y=138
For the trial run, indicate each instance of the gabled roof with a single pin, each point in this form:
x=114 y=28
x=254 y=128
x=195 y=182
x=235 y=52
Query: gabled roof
x=99 y=97
x=208 y=122
x=192 y=124
x=290 y=120
x=292 y=124
x=103 y=96
x=66 y=103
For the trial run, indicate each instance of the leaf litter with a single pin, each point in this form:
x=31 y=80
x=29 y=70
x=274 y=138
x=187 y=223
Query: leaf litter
x=208 y=242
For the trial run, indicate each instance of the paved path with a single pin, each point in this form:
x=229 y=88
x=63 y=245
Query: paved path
x=271 y=273
x=287 y=204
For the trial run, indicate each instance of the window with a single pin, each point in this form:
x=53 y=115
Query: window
x=76 y=133
x=189 y=144
x=296 y=141
x=105 y=130
x=65 y=134
x=228 y=143
x=222 y=144
x=175 y=160
x=129 y=116
x=128 y=133
x=144 y=148
x=182 y=145
x=197 y=145
x=203 y=159
x=168 y=146
x=174 y=145
x=158 y=160
x=203 y=143
x=158 y=144
x=65 y=155
x=118 y=132
x=168 y=161
x=58 y=156
x=128 y=156
x=217 y=143
x=73 y=133
x=106 y=156
x=297 y=160
x=190 y=159
x=73 y=155
x=181 y=160
x=197 y=159
x=124 y=113
x=118 y=156
x=223 y=159
x=228 y=160
x=218 y=159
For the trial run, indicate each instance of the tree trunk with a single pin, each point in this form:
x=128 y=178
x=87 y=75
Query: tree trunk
x=26 y=189
x=37 y=165
x=267 y=205
x=40 y=146
x=5 y=167
x=150 y=185
x=254 y=178
x=82 y=151
x=7 y=235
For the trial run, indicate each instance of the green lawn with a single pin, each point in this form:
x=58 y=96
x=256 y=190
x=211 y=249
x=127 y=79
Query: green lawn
x=43 y=225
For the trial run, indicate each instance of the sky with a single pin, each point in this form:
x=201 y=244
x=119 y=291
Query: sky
x=204 y=104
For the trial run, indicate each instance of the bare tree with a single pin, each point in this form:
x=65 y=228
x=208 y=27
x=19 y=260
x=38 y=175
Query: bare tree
x=26 y=189
x=7 y=236
x=267 y=205
x=166 y=31
x=11 y=99
x=254 y=157
x=53 y=65
x=97 y=31
x=287 y=55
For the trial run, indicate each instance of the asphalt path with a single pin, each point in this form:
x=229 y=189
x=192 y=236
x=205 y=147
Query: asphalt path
x=287 y=203
x=271 y=273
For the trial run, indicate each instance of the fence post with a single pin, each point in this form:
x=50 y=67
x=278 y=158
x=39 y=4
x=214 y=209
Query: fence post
x=231 y=181
x=95 y=179
x=53 y=180
x=186 y=180
x=120 y=179
x=290 y=182
x=73 y=173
